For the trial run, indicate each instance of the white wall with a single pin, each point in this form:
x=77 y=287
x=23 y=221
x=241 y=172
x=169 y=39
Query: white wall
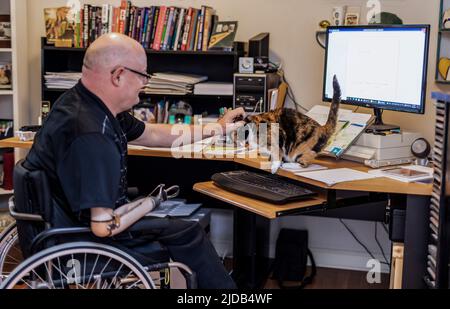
x=292 y=25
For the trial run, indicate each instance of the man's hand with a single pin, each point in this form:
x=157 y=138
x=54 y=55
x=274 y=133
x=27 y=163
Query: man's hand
x=232 y=120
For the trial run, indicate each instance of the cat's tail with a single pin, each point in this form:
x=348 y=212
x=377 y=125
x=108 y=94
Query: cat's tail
x=334 y=109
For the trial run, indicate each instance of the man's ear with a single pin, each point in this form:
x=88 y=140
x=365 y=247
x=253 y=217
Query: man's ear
x=116 y=76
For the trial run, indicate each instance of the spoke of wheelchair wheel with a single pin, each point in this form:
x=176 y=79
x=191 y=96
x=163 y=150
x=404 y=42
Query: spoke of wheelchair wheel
x=115 y=276
x=84 y=268
x=11 y=258
x=49 y=275
x=134 y=284
x=60 y=273
x=129 y=274
x=43 y=281
x=101 y=273
x=92 y=271
x=16 y=249
x=27 y=284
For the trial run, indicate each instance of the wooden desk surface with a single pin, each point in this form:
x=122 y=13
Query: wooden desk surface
x=14 y=142
x=381 y=184
x=264 y=209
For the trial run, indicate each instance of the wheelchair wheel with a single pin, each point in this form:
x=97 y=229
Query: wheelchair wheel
x=10 y=252
x=79 y=265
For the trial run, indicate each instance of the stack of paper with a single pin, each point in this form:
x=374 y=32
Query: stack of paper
x=334 y=176
x=173 y=83
x=61 y=80
x=213 y=88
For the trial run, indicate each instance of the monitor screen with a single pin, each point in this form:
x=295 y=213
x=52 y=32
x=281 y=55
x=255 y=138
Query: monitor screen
x=382 y=67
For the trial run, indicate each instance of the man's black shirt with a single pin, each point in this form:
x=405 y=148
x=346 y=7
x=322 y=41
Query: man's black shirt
x=82 y=148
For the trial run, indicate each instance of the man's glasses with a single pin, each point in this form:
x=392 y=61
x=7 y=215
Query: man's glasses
x=142 y=74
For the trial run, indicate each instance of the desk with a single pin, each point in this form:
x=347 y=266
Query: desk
x=414 y=196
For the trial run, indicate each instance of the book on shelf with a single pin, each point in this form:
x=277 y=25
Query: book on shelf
x=60 y=24
x=154 y=27
x=222 y=37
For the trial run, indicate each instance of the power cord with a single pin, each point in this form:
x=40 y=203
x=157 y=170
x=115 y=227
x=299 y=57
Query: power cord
x=360 y=242
x=379 y=245
x=290 y=93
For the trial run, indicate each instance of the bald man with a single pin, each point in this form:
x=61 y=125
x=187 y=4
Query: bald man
x=82 y=147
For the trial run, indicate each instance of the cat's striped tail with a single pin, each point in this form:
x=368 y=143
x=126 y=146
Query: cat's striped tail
x=333 y=114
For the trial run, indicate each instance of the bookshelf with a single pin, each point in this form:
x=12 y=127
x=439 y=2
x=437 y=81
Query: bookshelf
x=14 y=103
x=219 y=66
x=443 y=45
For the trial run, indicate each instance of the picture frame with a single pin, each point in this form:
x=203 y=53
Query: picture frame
x=6 y=128
x=5 y=31
x=351 y=19
x=5 y=76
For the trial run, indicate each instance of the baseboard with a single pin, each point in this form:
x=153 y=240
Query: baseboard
x=324 y=257
x=349 y=260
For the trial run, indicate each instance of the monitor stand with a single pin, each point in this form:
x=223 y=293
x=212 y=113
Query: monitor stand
x=378 y=125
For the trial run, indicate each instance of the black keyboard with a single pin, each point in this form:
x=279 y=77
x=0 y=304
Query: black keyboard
x=266 y=187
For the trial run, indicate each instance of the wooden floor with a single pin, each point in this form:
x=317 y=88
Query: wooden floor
x=328 y=278
x=331 y=278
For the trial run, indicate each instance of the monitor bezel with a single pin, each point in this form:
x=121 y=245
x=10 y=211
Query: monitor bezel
x=421 y=109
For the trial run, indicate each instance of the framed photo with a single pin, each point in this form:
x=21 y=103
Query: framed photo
x=351 y=19
x=5 y=31
x=6 y=128
x=5 y=76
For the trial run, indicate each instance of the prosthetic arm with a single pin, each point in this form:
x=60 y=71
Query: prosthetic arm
x=106 y=222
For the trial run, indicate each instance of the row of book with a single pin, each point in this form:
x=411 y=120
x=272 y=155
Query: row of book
x=155 y=27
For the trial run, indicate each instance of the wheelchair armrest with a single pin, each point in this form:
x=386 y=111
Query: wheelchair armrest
x=22 y=216
x=53 y=232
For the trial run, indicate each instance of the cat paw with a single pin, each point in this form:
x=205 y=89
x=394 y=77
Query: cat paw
x=303 y=164
x=275 y=166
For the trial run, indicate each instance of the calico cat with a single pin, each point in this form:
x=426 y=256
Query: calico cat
x=300 y=137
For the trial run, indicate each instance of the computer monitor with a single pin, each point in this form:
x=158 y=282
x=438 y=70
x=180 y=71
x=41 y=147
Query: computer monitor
x=383 y=67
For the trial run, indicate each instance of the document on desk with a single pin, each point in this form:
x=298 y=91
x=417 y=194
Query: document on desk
x=333 y=176
x=193 y=148
x=349 y=127
x=416 y=173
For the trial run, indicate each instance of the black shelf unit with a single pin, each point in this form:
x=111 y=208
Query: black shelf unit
x=438 y=258
x=219 y=66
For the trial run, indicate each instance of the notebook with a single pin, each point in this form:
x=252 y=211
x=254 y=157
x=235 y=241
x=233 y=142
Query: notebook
x=174 y=208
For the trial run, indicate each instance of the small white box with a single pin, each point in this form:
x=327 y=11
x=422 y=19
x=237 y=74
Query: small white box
x=404 y=139
x=25 y=135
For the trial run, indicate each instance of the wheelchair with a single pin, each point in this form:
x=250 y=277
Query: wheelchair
x=32 y=255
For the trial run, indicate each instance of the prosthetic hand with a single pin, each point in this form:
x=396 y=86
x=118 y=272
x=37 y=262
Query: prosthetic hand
x=163 y=194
